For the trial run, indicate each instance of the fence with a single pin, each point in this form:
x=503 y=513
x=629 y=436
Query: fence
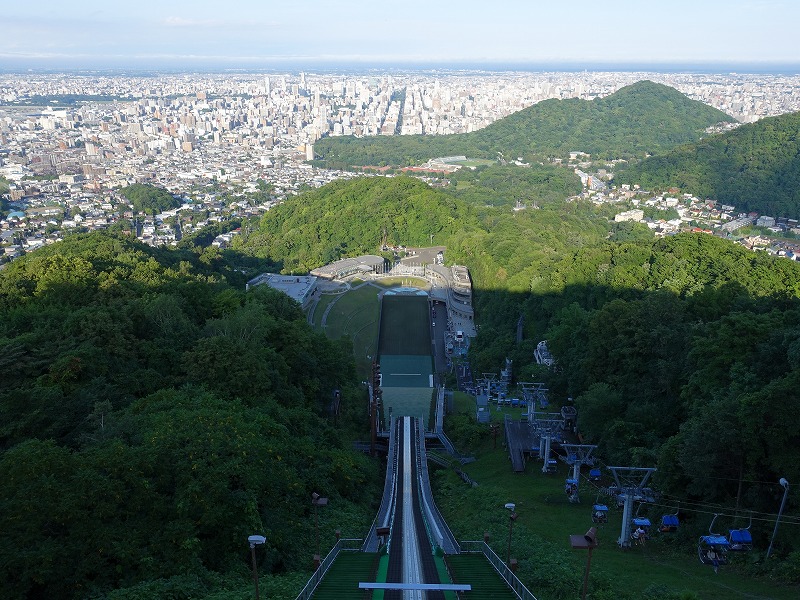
x=501 y=567
x=343 y=545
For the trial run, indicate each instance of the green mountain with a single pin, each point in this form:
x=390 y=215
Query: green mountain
x=348 y=218
x=643 y=118
x=755 y=167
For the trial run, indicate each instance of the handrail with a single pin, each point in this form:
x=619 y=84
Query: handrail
x=438 y=531
x=440 y=409
x=389 y=492
x=346 y=545
x=522 y=592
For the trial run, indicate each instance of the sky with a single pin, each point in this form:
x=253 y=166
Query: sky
x=272 y=33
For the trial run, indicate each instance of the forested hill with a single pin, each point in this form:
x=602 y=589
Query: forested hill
x=348 y=218
x=642 y=118
x=755 y=167
x=154 y=416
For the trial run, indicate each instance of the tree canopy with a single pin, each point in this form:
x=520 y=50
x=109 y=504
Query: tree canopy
x=755 y=167
x=155 y=416
x=149 y=198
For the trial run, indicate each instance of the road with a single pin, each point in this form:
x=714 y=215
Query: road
x=438 y=328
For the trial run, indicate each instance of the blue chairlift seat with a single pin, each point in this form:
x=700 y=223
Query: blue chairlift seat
x=599 y=513
x=740 y=540
x=515 y=402
x=552 y=465
x=571 y=488
x=594 y=475
x=669 y=524
x=719 y=543
x=644 y=523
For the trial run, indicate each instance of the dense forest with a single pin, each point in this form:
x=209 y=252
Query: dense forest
x=533 y=186
x=755 y=167
x=674 y=349
x=154 y=416
x=350 y=218
x=640 y=119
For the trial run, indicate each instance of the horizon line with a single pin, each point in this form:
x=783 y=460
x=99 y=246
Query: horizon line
x=228 y=64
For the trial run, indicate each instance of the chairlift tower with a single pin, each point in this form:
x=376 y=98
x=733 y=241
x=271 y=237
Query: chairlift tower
x=578 y=455
x=486 y=382
x=545 y=427
x=630 y=485
x=534 y=394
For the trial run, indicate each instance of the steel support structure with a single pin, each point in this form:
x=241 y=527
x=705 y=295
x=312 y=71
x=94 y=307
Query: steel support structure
x=631 y=484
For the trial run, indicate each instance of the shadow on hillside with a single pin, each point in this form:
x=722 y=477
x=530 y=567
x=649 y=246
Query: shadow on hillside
x=685 y=383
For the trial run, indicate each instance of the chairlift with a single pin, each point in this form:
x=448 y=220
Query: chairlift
x=552 y=465
x=595 y=475
x=740 y=539
x=571 y=489
x=617 y=495
x=713 y=542
x=718 y=543
x=641 y=523
x=669 y=523
x=599 y=513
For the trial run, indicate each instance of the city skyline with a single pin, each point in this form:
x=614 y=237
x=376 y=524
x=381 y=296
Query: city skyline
x=249 y=34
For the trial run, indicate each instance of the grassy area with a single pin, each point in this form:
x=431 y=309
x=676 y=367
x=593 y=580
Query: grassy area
x=546 y=519
x=320 y=307
x=354 y=313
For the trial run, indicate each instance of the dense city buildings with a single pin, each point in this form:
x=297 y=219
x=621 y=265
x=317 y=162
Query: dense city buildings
x=69 y=142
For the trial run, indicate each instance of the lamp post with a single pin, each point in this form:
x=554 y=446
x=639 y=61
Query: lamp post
x=511 y=518
x=494 y=428
x=317 y=500
x=255 y=540
x=589 y=542
x=785 y=485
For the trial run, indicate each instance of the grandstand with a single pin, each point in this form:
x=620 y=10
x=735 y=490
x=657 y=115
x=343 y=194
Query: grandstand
x=360 y=265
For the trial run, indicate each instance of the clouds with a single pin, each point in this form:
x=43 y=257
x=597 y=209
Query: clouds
x=184 y=22
x=414 y=30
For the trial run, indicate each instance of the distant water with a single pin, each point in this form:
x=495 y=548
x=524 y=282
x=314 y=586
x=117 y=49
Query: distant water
x=144 y=69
